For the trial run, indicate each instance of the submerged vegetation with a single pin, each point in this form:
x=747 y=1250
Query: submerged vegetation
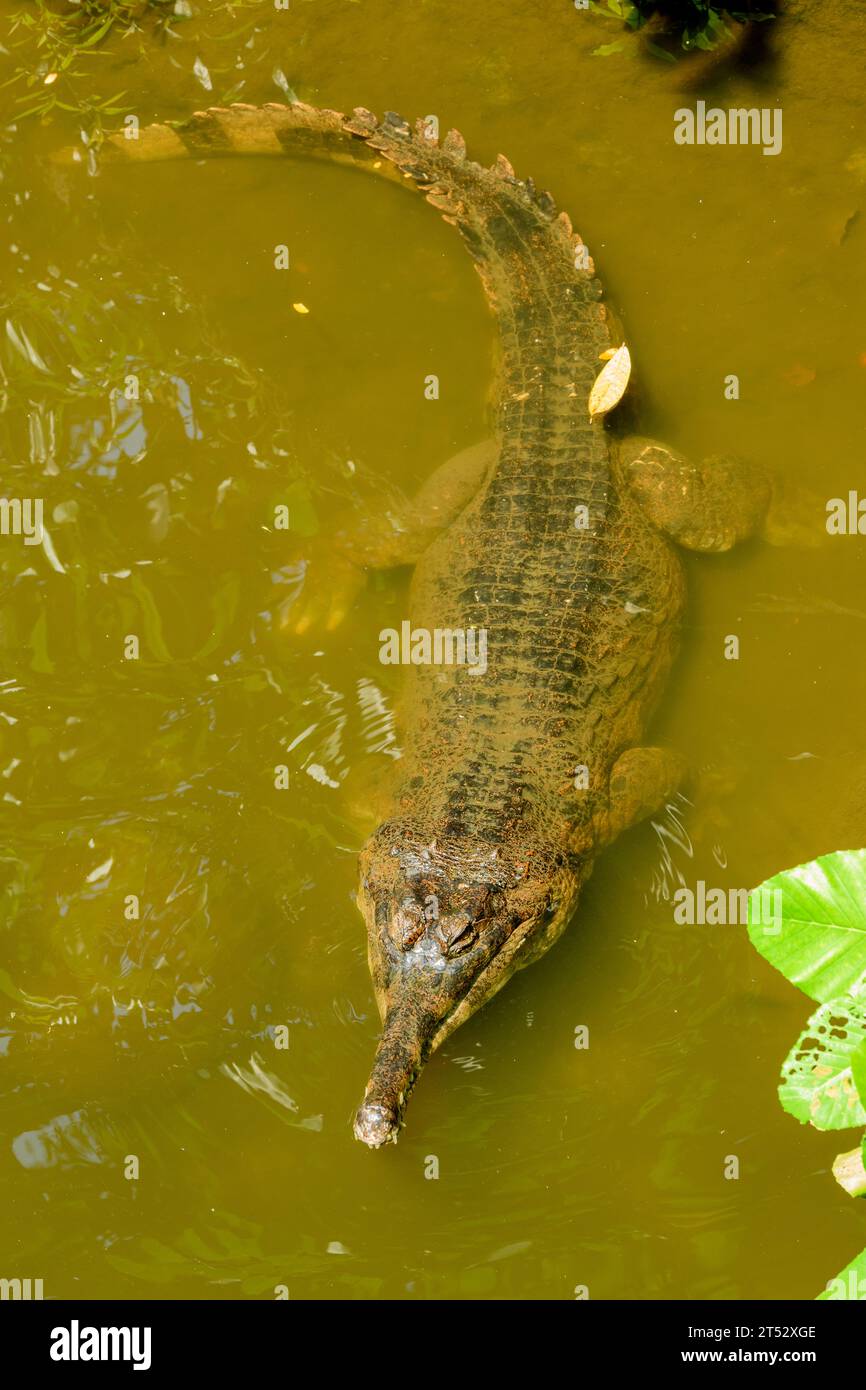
x=53 y=48
x=688 y=24
x=820 y=946
x=56 y=47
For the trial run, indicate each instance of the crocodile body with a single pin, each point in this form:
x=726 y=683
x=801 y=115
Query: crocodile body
x=508 y=788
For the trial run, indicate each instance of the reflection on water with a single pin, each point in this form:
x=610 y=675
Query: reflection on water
x=183 y=978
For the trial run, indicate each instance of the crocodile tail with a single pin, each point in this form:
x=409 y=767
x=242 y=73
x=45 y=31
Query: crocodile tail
x=536 y=272
x=489 y=206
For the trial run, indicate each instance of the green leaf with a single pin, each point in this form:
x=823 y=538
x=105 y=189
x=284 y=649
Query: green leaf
x=858 y=1071
x=849 y=1284
x=820 y=942
x=817 y=1085
x=96 y=34
x=658 y=52
x=849 y=1172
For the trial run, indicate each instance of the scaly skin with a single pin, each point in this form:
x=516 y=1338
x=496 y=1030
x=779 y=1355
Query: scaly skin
x=478 y=866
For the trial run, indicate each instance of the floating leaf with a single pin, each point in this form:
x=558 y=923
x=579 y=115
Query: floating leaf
x=300 y=308
x=799 y=375
x=817 y=1085
x=821 y=943
x=609 y=386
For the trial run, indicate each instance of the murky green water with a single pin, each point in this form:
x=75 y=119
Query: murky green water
x=152 y=779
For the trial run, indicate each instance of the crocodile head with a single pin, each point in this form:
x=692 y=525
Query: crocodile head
x=445 y=930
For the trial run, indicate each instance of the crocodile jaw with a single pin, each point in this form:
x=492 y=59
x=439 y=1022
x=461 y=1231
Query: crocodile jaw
x=416 y=1004
x=425 y=1000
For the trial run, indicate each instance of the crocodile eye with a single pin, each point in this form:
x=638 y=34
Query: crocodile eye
x=408 y=924
x=459 y=935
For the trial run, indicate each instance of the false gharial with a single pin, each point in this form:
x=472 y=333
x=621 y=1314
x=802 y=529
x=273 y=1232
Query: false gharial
x=557 y=540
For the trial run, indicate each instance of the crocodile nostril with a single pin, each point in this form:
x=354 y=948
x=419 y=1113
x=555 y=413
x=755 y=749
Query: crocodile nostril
x=376 y=1125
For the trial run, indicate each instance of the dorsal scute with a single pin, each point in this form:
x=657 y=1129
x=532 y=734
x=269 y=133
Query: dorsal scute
x=361 y=122
x=458 y=187
x=397 y=125
x=425 y=132
x=438 y=198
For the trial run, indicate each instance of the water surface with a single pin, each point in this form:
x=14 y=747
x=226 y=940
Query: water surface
x=154 y=777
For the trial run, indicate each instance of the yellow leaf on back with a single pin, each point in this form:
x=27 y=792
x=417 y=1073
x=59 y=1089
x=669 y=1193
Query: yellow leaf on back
x=609 y=386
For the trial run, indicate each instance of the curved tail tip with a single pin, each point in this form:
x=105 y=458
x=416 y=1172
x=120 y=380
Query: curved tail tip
x=375 y=1125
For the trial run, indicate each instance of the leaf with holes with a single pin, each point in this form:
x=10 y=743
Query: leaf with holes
x=820 y=943
x=817 y=1084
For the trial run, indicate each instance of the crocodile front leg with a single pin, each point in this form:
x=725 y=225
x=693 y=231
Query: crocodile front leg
x=335 y=568
x=708 y=506
x=642 y=781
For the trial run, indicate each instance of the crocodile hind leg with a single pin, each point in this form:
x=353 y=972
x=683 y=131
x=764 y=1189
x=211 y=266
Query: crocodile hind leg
x=335 y=569
x=708 y=506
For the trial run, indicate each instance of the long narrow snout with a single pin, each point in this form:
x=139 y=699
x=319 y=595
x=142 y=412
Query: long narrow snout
x=430 y=941
x=400 y=1055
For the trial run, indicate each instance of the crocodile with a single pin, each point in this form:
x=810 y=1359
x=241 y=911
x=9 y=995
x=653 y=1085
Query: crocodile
x=557 y=539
